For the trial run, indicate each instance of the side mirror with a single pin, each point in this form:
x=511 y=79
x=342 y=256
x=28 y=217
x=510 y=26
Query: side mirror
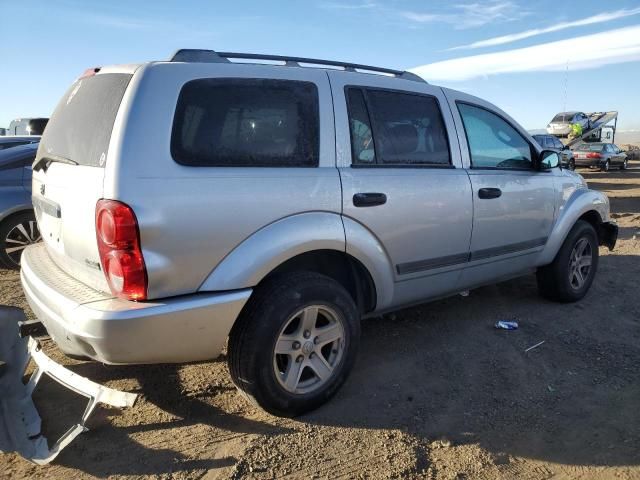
x=548 y=159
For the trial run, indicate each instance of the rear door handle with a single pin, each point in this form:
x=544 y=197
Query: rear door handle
x=369 y=199
x=489 y=193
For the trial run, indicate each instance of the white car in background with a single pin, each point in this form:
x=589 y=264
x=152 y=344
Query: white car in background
x=560 y=125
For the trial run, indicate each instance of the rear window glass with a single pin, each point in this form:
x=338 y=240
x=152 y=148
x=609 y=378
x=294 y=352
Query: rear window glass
x=246 y=123
x=562 y=117
x=596 y=148
x=80 y=127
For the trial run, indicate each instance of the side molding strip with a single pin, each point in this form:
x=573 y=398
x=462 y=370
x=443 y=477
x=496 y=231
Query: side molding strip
x=458 y=259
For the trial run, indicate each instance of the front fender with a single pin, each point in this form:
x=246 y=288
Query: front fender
x=274 y=244
x=581 y=201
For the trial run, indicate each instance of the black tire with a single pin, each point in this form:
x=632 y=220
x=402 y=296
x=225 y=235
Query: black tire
x=27 y=219
x=252 y=341
x=624 y=164
x=554 y=281
x=572 y=164
x=605 y=167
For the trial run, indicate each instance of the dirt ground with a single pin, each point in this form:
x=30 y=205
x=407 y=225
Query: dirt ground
x=436 y=393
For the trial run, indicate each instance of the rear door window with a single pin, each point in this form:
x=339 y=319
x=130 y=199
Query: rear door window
x=80 y=127
x=408 y=129
x=246 y=123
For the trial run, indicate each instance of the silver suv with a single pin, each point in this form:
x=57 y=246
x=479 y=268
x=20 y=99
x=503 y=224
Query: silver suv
x=189 y=202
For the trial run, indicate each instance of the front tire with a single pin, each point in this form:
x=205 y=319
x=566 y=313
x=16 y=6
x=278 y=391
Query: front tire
x=295 y=343
x=624 y=165
x=570 y=275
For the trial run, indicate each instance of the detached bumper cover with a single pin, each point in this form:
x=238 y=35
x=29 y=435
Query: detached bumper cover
x=20 y=424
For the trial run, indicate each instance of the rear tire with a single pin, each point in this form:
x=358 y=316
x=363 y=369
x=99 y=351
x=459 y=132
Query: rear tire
x=605 y=167
x=295 y=343
x=570 y=275
x=572 y=164
x=624 y=165
x=17 y=232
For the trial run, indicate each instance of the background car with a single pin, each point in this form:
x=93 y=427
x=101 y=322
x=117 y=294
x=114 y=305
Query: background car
x=549 y=142
x=560 y=125
x=600 y=155
x=18 y=227
x=15 y=141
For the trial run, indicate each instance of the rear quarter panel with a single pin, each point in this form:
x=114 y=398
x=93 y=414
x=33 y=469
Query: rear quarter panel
x=191 y=218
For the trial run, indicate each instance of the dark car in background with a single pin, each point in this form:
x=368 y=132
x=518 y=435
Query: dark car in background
x=18 y=227
x=16 y=141
x=600 y=155
x=549 y=142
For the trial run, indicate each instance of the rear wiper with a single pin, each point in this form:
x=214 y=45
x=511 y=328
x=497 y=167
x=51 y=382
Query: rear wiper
x=44 y=162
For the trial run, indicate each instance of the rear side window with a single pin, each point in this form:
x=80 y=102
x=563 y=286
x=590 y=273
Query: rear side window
x=80 y=127
x=246 y=123
x=493 y=143
x=407 y=128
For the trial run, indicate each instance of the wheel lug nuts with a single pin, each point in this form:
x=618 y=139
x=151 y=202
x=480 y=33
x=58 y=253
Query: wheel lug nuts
x=299 y=359
x=296 y=345
x=311 y=355
x=307 y=334
x=316 y=340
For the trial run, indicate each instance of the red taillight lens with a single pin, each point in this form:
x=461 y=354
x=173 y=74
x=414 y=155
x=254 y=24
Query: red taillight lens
x=120 y=253
x=593 y=155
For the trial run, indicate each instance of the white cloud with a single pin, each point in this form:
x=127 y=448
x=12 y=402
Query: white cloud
x=599 y=18
x=469 y=15
x=589 y=51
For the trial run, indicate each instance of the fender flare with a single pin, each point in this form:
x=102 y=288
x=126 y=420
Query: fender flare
x=264 y=250
x=581 y=201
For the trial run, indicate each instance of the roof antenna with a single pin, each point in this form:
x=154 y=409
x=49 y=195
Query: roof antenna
x=566 y=82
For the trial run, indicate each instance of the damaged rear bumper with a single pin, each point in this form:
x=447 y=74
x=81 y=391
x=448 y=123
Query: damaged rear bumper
x=20 y=424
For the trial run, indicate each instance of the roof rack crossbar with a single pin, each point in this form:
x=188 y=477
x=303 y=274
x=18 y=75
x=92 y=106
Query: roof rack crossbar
x=211 y=56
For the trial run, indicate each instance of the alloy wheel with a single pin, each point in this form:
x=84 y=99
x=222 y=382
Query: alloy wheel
x=308 y=349
x=580 y=263
x=19 y=238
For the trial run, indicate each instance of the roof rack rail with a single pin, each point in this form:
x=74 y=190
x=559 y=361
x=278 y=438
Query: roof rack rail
x=211 y=56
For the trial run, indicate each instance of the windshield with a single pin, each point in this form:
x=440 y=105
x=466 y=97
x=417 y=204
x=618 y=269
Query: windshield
x=80 y=127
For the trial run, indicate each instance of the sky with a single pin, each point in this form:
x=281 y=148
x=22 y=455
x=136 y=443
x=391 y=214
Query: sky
x=531 y=58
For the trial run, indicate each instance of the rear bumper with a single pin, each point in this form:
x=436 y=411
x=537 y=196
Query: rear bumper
x=87 y=323
x=589 y=162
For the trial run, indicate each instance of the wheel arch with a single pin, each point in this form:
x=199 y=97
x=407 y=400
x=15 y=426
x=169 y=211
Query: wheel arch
x=588 y=205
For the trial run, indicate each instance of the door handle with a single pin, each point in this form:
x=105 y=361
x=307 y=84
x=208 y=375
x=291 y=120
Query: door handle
x=369 y=199
x=489 y=193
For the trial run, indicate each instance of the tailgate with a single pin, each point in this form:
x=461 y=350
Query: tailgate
x=68 y=173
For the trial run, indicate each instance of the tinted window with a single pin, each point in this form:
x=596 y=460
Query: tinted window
x=558 y=144
x=493 y=143
x=407 y=129
x=596 y=147
x=561 y=117
x=250 y=123
x=362 y=147
x=80 y=127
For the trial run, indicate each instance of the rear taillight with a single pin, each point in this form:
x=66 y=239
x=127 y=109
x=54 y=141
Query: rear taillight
x=593 y=155
x=120 y=253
